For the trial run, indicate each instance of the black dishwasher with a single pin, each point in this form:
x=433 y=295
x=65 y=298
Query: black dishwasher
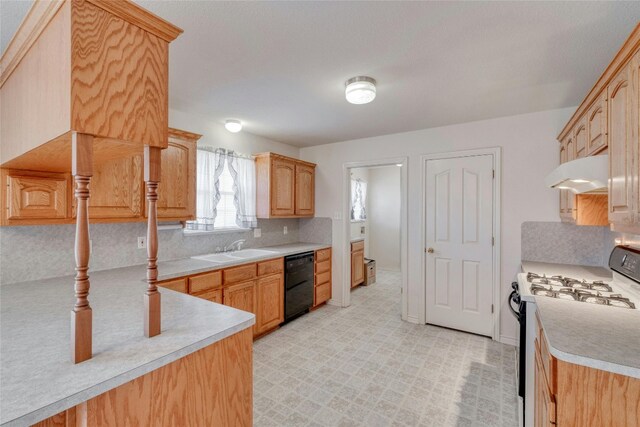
x=298 y=285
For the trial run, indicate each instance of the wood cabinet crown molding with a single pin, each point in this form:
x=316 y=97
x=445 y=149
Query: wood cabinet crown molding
x=622 y=57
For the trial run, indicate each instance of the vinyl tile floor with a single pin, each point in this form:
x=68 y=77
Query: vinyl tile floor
x=363 y=366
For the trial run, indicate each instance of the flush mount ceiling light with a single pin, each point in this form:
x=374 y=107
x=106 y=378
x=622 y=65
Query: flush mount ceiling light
x=233 y=125
x=360 y=90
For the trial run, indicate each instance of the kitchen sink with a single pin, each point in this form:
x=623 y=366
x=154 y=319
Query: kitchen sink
x=235 y=256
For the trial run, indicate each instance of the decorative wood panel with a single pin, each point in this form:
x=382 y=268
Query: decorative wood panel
x=282 y=187
x=591 y=209
x=357 y=267
x=205 y=282
x=323 y=254
x=213 y=386
x=239 y=274
x=119 y=78
x=179 y=285
x=323 y=266
x=33 y=197
x=591 y=397
x=322 y=293
x=243 y=297
x=305 y=190
x=177 y=189
x=597 y=125
x=270 y=302
x=271 y=267
x=581 y=139
x=322 y=278
x=214 y=296
x=620 y=131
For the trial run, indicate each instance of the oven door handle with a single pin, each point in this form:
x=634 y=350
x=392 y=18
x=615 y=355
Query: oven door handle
x=514 y=297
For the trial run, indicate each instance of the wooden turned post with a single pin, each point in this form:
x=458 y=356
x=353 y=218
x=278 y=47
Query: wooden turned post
x=81 y=315
x=152 y=296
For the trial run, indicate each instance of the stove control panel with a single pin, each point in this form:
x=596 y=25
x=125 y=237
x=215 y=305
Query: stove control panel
x=626 y=261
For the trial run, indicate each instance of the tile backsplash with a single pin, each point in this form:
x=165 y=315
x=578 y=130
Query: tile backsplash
x=38 y=252
x=561 y=243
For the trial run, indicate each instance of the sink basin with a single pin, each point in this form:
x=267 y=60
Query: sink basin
x=252 y=253
x=217 y=258
x=235 y=256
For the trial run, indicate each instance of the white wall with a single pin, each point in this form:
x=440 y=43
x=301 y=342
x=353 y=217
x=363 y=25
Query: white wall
x=529 y=152
x=215 y=135
x=384 y=200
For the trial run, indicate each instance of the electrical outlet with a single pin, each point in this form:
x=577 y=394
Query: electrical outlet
x=284 y=230
x=257 y=232
x=90 y=247
x=142 y=242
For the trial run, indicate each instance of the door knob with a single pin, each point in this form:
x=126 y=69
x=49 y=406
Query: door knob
x=430 y=250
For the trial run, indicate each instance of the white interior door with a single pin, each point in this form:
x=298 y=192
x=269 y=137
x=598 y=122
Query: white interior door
x=459 y=242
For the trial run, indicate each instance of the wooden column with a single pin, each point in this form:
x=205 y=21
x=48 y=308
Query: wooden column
x=152 y=296
x=81 y=315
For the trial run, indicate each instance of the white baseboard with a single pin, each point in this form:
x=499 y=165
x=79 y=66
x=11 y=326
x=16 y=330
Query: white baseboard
x=414 y=320
x=509 y=340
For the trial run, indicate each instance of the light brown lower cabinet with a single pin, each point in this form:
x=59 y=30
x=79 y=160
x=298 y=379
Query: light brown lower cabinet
x=573 y=395
x=243 y=297
x=270 y=302
x=322 y=282
x=357 y=263
x=211 y=387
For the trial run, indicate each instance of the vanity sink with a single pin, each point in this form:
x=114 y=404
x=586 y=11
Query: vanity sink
x=235 y=256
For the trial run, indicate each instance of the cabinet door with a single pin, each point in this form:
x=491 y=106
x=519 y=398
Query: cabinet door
x=270 y=295
x=36 y=197
x=117 y=189
x=620 y=131
x=545 y=407
x=570 y=195
x=635 y=153
x=563 y=193
x=176 y=191
x=305 y=190
x=241 y=296
x=581 y=139
x=283 y=176
x=357 y=268
x=597 y=125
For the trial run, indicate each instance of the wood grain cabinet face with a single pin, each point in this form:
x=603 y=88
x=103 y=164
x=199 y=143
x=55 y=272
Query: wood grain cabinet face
x=357 y=265
x=581 y=139
x=270 y=304
x=597 y=125
x=619 y=127
x=36 y=197
x=283 y=178
x=305 y=190
x=176 y=192
x=243 y=297
x=545 y=407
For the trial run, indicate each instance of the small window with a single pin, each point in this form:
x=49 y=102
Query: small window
x=226 y=210
x=358 y=200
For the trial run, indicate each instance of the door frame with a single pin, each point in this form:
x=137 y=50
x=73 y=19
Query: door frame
x=496 y=153
x=346 y=230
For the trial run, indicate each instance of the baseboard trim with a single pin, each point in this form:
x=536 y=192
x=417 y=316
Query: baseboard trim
x=414 y=320
x=509 y=340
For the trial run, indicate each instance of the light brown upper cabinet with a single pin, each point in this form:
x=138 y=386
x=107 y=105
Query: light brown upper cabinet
x=285 y=187
x=597 y=125
x=610 y=113
x=177 y=189
x=620 y=131
x=567 y=198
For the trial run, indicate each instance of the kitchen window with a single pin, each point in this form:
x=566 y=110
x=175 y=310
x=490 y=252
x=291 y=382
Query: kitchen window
x=358 y=200
x=225 y=191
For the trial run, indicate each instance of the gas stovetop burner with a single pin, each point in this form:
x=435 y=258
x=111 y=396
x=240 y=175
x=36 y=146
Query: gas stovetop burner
x=561 y=287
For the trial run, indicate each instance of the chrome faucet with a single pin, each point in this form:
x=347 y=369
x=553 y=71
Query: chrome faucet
x=237 y=244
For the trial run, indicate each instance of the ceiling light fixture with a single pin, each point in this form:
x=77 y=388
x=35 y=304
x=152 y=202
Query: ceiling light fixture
x=360 y=90
x=233 y=126
x=399 y=165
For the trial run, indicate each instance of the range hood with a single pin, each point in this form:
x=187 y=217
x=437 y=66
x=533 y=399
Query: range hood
x=588 y=175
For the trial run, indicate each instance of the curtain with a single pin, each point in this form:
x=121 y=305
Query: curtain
x=243 y=172
x=358 y=200
x=210 y=167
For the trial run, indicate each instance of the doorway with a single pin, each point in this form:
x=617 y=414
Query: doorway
x=375 y=221
x=461 y=193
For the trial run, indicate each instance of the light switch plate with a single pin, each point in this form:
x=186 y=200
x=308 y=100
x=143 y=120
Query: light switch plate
x=257 y=232
x=142 y=242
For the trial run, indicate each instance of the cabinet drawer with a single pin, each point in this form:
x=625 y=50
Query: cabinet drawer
x=271 y=266
x=179 y=285
x=323 y=266
x=214 y=295
x=322 y=293
x=323 y=254
x=239 y=274
x=205 y=282
x=357 y=246
x=323 y=278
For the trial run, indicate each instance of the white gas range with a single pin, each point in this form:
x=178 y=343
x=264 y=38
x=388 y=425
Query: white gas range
x=614 y=289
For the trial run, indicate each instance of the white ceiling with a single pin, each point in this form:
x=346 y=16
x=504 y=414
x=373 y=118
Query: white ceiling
x=280 y=67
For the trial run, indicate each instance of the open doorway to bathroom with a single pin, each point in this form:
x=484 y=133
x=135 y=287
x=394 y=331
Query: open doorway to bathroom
x=375 y=236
